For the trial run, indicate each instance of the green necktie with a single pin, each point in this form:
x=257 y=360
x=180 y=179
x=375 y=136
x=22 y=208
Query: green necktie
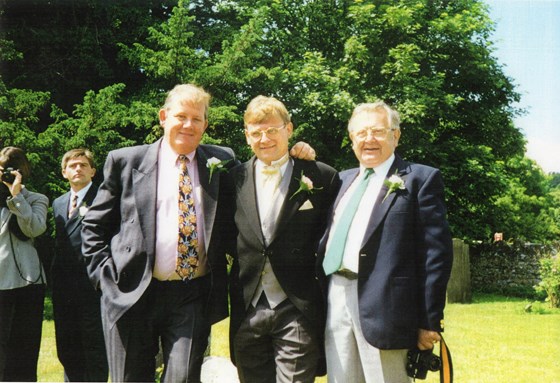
x=333 y=258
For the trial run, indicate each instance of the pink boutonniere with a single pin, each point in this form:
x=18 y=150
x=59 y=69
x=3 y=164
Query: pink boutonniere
x=305 y=185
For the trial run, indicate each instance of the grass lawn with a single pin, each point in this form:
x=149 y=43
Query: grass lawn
x=492 y=340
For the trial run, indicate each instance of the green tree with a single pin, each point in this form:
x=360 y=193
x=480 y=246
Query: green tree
x=431 y=59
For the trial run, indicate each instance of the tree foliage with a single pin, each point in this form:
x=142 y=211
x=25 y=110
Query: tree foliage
x=431 y=59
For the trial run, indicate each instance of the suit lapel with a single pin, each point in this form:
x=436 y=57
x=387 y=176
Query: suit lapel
x=381 y=207
x=74 y=221
x=63 y=206
x=209 y=194
x=145 y=189
x=347 y=178
x=290 y=205
x=247 y=196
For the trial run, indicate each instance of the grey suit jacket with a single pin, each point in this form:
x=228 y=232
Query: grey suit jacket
x=118 y=232
x=31 y=211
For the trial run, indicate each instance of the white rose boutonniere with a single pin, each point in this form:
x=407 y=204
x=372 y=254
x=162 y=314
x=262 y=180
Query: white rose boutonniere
x=214 y=165
x=83 y=209
x=305 y=185
x=394 y=183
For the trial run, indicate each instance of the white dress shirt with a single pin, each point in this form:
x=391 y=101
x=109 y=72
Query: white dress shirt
x=81 y=194
x=360 y=222
x=167 y=213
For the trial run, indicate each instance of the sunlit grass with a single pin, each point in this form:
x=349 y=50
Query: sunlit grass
x=492 y=340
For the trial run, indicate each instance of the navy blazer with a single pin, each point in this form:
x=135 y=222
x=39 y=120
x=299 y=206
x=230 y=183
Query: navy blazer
x=119 y=229
x=405 y=258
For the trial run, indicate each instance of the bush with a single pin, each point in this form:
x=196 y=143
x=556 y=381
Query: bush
x=550 y=279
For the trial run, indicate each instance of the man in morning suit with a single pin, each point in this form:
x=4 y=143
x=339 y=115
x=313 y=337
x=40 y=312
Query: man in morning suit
x=77 y=316
x=281 y=205
x=387 y=255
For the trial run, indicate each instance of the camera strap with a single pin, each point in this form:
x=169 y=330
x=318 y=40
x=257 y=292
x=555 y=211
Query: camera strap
x=446 y=371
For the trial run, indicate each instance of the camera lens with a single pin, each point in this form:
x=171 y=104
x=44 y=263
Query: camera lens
x=7 y=175
x=434 y=363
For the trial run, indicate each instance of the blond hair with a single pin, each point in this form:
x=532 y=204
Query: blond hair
x=261 y=107
x=188 y=93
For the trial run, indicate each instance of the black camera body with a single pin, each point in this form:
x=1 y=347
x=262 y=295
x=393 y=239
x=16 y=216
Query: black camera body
x=419 y=362
x=7 y=175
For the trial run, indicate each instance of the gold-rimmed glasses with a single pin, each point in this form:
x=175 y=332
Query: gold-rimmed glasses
x=377 y=132
x=271 y=132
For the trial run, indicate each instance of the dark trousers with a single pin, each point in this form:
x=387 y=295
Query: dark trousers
x=79 y=333
x=172 y=313
x=276 y=345
x=21 y=321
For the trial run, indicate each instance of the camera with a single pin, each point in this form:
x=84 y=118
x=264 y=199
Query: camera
x=420 y=362
x=7 y=175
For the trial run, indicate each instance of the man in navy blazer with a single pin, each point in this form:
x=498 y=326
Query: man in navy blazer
x=77 y=316
x=387 y=256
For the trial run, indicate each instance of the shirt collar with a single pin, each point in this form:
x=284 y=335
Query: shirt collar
x=168 y=155
x=82 y=192
x=382 y=169
x=259 y=165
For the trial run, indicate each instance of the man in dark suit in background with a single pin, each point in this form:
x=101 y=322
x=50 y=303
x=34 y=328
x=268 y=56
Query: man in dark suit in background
x=387 y=254
x=79 y=333
x=154 y=239
x=277 y=317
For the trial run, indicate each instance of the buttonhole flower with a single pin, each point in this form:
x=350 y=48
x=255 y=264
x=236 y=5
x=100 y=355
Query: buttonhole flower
x=83 y=209
x=305 y=185
x=394 y=183
x=214 y=165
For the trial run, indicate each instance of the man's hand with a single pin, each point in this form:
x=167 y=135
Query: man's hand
x=427 y=339
x=303 y=151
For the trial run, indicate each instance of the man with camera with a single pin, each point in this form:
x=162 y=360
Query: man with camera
x=387 y=256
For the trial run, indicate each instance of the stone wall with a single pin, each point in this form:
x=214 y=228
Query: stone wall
x=506 y=268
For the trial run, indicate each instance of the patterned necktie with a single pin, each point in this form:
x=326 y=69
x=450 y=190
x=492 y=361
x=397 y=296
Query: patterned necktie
x=335 y=252
x=187 y=245
x=74 y=205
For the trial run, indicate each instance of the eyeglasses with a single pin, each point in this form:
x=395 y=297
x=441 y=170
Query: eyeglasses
x=377 y=133
x=270 y=132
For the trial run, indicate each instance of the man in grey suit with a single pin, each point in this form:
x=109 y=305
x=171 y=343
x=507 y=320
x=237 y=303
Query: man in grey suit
x=277 y=312
x=77 y=316
x=131 y=240
x=387 y=254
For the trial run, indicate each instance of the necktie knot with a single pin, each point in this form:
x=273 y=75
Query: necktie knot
x=183 y=161
x=270 y=170
x=274 y=167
